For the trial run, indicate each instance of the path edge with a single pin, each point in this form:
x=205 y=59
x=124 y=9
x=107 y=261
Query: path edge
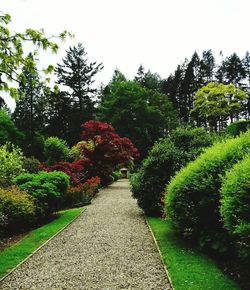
x=41 y=246
x=159 y=251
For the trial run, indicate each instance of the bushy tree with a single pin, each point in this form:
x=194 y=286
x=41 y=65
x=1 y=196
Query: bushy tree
x=138 y=113
x=107 y=149
x=215 y=103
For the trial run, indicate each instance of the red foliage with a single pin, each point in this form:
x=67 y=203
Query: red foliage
x=77 y=170
x=109 y=147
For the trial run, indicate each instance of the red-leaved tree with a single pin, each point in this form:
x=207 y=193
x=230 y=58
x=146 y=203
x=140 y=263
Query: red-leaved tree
x=105 y=149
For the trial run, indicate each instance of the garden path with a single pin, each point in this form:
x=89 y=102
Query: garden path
x=108 y=247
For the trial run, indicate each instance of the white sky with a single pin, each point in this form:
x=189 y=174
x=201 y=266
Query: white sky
x=123 y=34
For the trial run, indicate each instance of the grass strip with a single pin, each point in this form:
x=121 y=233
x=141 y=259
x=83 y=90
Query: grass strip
x=12 y=256
x=188 y=269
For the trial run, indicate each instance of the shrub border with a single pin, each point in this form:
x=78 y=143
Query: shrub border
x=41 y=246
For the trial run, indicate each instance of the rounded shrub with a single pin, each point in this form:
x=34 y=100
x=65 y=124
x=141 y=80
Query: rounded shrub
x=192 y=199
x=165 y=158
x=17 y=209
x=235 y=205
x=47 y=188
x=31 y=164
x=56 y=150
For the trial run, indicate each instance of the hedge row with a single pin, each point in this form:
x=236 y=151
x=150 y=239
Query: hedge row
x=193 y=195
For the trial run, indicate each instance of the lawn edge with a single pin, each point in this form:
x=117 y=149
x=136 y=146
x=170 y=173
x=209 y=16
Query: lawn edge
x=41 y=246
x=159 y=251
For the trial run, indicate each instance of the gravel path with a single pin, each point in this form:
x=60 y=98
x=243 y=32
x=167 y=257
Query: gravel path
x=109 y=247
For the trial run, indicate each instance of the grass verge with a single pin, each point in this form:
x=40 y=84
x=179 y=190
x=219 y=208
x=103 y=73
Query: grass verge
x=188 y=269
x=15 y=254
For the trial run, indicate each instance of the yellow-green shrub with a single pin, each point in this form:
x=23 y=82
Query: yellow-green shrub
x=17 y=208
x=235 y=205
x=192 y=199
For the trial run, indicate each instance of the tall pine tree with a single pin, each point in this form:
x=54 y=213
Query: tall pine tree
x=77 y=74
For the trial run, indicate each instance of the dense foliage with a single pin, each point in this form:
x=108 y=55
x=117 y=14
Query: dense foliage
x=17 y=209
x=165 y=158
x=192 y=197
x=235 y=128
x=47 y=188
x=11 y=163
x=141 y=114
x=235 y=205
x=55 y=150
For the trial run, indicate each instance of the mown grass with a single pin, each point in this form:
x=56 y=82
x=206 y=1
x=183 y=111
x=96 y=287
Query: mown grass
x=16 y=253
x=188 y=269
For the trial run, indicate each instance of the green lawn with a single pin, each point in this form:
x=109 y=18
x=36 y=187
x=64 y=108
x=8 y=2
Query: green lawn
x=188 y=269
x=13 y=255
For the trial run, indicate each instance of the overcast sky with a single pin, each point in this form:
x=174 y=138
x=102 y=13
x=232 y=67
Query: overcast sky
x=123 y=34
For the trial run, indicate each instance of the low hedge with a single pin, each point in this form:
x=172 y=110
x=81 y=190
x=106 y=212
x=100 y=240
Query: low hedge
x=192 y=199
x=17 y=209
x=235 y=205
x=47 y=188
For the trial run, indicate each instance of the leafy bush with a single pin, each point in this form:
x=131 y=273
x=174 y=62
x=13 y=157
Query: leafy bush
x=235 y=205
x=47 y=188
x=165 y=158
x=192 y=199
x=234 y=129
x=17 y=209
x=11 y=163
x=56 y=150
x=116 y=175
x=31 y=164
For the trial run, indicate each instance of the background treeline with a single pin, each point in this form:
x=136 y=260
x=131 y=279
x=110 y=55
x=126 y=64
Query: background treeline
x=143 y=109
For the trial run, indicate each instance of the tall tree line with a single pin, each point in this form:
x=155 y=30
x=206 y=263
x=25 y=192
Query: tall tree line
x=199 y=71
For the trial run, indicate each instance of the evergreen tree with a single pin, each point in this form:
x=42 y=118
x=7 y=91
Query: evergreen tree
x=30 y=107
x=77 y=74
x=231 y=71
x=207 y=67
x=148 y=79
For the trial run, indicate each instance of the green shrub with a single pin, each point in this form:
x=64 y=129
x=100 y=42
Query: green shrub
x=235 y=205
x=56 y=150
x=165 y=158
x=192 y=199
x=116 y=175
x=234 y=129
x=47 y=188
x=17 y=209
x=11 y=163
x=31 y=164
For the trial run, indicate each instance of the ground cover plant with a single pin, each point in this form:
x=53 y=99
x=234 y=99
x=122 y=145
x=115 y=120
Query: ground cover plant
x=13 y=255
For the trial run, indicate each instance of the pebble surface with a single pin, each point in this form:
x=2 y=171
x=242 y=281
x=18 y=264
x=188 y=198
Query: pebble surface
x=109 y=247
